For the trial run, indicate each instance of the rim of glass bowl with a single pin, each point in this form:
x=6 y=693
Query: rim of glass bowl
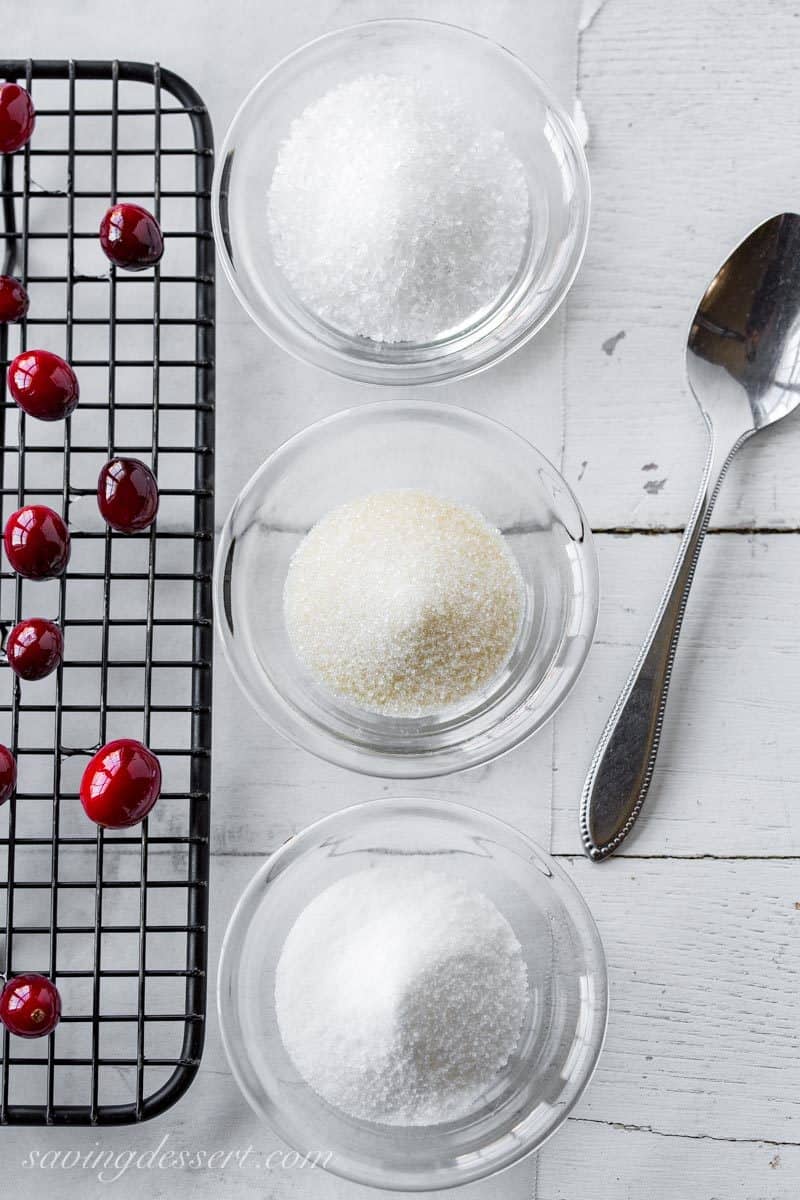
x=481 y=747
x=464 y=354
x=512 y=1146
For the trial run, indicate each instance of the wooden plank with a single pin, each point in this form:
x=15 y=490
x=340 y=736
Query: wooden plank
x=704 y=959
x=265 y=789
x=616 y=1163
x=686 y=106
x=271 y=397
x=729 y=768
x=728 y=773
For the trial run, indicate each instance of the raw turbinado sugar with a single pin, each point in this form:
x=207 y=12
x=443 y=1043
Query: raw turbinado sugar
x=403 y=603
x=394 y=213
x=401 y=995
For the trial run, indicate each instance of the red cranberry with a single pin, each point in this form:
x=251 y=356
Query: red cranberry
x=14 y=300
x=17 y=117
x=131 y=237
x=37 y=542
x=127 y=495
x=35 y=648
x=8 y=774
x=30 y=1006
x=43 y=385
x=121 y=784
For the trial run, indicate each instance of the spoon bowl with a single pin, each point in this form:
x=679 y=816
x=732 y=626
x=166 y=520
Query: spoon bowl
x=743 y=352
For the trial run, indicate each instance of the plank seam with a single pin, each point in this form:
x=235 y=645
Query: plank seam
x=574 y=854
x=695 y=1137
x=578 y=856
x=660 y=530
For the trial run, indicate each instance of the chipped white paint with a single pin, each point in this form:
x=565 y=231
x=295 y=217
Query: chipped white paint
x=688 y=113
x=689 y=107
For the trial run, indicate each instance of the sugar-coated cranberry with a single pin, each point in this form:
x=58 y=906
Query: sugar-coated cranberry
x=30 y=1006
x=17 y=117
x=35 y=648
x=8 y=774
x=43 y=385
x=37 y=542
x=121 y=784
x=131 y=237
x=14 y=300
x=127 y=495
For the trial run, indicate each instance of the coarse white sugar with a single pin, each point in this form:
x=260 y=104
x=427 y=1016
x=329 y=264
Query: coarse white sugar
x=401 y=995
x=403 y=603
x=394 y=212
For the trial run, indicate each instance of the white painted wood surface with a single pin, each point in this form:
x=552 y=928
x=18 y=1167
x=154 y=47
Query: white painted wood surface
x=690 y=112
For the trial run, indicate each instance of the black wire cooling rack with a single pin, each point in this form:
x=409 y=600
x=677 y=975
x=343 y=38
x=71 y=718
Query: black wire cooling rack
x=119 y=921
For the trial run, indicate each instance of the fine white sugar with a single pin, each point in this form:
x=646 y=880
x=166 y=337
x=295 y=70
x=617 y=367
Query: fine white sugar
x=403 y=603
x=393 y=213
x=401 y=995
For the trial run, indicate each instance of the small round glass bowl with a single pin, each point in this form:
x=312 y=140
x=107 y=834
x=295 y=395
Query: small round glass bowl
x=560 y=1041
x=509 y=97
x=462 y=457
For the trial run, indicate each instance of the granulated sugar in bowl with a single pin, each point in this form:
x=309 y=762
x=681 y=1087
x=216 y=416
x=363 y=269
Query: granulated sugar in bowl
x=414 y=991
x=401 y=995
x=394 y=212
x=401 y=202
x=403 y=602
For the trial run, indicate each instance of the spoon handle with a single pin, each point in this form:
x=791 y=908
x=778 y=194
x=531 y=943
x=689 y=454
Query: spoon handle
x=622 y=767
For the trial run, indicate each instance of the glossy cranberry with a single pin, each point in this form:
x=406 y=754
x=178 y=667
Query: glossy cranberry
x=37 y=542
x=8 y=774
x=17 y=117
x=131 y=237
x=127 y=495
x=34 y=648
x=121 y=784
x=14 y=300
x=43 y=385
x=30 y=1006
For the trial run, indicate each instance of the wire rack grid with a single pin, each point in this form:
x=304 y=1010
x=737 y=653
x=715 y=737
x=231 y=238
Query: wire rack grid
x=118 y=920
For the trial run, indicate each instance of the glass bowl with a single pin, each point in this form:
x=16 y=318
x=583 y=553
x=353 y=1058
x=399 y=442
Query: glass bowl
x=508 y=96
x=459 y=456
x=560 y=1041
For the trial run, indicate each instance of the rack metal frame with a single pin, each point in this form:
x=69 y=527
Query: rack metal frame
x=189 y=841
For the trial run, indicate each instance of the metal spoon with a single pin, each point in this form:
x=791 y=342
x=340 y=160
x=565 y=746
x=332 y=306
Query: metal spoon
x=743 y=364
